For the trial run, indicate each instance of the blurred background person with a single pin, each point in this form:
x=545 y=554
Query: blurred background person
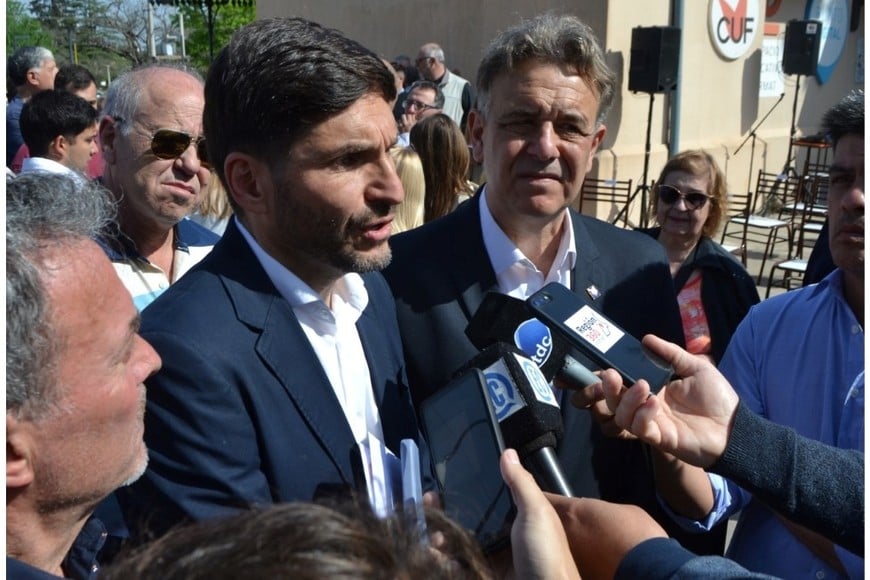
x=713 y=289
x=458 y=95
x=32 y=70
x=424 y=99
x=78 y=80
x=409 y=213
x=214 y=211
x=446 y=162
x=61 y=130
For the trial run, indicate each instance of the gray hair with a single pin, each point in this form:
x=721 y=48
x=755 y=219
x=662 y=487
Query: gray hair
x=124 y=96
x=432 y=50
x=24 y=60
x=42 y=211
x=550 y=39
x=846 y=117
x=432 y=86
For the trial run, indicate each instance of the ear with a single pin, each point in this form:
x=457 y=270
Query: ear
x=249 y=181
x=33 y=77
x=108 y=132
x=58 y=149
x=597 y=138
x=475 y=132
x=19 y=468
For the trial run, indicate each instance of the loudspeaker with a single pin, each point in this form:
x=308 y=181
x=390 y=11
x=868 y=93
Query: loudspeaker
x=800 y=55
x=655 y=59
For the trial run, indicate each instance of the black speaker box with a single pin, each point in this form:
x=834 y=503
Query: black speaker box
x=655 y=59
x=800 y=55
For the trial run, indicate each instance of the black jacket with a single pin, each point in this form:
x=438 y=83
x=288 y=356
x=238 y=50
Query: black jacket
x=727 y=289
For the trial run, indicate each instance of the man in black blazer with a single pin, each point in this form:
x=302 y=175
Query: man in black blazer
x=544 y=90
x=281 y=350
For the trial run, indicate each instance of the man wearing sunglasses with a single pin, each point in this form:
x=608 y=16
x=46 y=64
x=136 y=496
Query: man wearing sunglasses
x=424 y=100
x=283 y=371
x=156 y=166
x=458 y=96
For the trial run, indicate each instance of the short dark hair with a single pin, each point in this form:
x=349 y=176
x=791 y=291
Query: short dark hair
x=306 y=541
x=24 y=60
x=845 y=118
x=51 y=113
x=432 y=86
x=73 y=77
x=42 y=210
x=276 y=79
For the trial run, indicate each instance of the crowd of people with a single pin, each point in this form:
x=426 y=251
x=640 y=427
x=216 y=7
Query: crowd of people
x=217 y=349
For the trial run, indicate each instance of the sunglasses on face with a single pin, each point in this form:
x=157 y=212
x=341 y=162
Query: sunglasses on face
x=169 y=144
x=668 y=195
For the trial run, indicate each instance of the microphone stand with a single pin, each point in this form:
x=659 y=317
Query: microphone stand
x=788 y=168
x=752 y=135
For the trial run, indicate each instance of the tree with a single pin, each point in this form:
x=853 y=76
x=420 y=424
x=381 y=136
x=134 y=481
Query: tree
x=22 y=29
x=211 y=22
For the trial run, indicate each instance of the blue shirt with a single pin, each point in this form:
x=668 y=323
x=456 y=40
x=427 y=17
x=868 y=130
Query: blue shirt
x=14 y=140
x=798 y=360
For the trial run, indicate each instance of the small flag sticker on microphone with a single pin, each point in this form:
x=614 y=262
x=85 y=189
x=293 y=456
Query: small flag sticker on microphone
x=593 y=292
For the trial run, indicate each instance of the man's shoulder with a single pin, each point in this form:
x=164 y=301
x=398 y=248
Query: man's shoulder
x=19 y=570
x=191 y=233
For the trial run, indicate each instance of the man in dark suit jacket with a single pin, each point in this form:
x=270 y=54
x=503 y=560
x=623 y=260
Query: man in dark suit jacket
x=544 y=90
x=282 y=352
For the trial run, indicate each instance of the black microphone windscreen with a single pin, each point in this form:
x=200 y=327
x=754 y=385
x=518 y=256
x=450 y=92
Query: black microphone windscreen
x=524 y=403
x=503 y=318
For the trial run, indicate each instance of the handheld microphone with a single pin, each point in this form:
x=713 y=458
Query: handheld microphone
x=502 y=318
x=527 y=412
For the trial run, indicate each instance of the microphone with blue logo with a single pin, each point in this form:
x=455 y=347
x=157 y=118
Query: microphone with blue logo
x=527 y=412
x=502 y=318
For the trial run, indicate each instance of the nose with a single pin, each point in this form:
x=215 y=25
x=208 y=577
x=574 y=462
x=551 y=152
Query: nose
x=386 y=185
x=149 y=358
x=544 y=143
x=189 y=161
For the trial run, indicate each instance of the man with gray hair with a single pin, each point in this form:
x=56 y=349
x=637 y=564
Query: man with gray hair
x=458 y=98
x=544 y=91
x=32 y=69
x=156 y=167
x=75 y=372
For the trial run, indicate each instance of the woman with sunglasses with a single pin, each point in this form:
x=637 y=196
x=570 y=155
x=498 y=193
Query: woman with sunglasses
x=713 y=289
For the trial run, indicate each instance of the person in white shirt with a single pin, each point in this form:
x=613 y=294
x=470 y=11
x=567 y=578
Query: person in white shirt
x=60 y=129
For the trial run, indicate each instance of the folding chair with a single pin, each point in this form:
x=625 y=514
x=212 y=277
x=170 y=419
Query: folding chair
x=613 y=194
x=806 y=231
x=745 y=225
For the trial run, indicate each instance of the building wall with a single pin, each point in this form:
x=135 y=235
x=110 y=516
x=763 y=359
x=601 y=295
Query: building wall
x=718 y=98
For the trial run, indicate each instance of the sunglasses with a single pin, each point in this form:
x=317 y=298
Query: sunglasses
x=668 y=194
x=415 y=103
x=169 y=144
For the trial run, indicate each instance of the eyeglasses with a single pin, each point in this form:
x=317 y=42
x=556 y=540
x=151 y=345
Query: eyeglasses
x=169 y=144
x=415 y=103
x=668 y=194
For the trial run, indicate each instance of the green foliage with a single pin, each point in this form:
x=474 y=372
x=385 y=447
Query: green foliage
x=23 y=29
x=227 y=19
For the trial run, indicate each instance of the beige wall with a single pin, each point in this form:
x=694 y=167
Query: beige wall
x=719 y=98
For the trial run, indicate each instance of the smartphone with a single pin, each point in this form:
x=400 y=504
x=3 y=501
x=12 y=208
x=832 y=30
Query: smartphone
x=598 y=337
x=466 y=444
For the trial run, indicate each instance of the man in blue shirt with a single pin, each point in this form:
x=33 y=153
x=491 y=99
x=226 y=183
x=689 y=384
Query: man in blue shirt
x=798 y=360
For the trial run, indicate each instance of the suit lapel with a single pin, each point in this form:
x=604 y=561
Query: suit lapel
x=285 y=350
x=469 y=258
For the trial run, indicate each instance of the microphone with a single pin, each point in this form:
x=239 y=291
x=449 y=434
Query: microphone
x=502 y=318
x=527 y=411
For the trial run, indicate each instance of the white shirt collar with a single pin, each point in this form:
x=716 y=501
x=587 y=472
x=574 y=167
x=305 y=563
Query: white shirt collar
x=33 y=164
x=515 y=273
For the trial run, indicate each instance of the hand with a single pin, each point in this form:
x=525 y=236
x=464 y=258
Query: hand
x=592 y=399
x=690 y=418
x=540 y=548
x=600 y=533
x=406 y=122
